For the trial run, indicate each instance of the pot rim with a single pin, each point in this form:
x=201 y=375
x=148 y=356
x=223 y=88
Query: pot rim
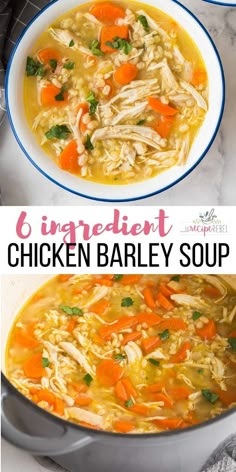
x=96 y=434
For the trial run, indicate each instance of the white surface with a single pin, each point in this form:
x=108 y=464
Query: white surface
x=211 y=183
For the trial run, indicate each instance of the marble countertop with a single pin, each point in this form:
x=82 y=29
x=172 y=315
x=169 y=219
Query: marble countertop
x=211 y=183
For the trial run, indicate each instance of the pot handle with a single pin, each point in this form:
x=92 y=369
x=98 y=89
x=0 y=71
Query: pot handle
x=36 y=445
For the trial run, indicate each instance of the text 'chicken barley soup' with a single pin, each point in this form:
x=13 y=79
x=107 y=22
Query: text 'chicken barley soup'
x=128 y=353
x=114 y=94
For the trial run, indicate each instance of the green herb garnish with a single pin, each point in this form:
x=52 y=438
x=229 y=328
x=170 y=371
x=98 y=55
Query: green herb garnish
x=93 y=103
x=71 y=310
x=175 y=278
x=127 y=302
x=88 y=379
x=232 y=342
x=200 y=371
x=117 y=277
x=71 y=43
x=45 y=362
x=140 y=122
x=34 y=68
x=60 y=96
x=119 y=357
x=88 y=145
x=69 y=65
x=121 y=44
x=58 y=132
x=95 y=48
x=144 y=22
x=196 y=315
x=164 y=335
x=53 y=64
x=129 y=403
x=210 y=396
x=154 y=361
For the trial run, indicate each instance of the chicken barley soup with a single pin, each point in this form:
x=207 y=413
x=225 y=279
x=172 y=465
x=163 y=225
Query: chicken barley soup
x=128 y=353
x=115 y=94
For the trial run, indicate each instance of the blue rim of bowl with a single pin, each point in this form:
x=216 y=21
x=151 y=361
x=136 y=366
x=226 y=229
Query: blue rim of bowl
x=110 y=200
x=222 y=4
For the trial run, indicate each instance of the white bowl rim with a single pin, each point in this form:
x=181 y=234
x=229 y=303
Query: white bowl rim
x=221 y=2
x=139 y=197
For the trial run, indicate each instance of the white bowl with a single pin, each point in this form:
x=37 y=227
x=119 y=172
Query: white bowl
x=95 y=191
x=226 y=3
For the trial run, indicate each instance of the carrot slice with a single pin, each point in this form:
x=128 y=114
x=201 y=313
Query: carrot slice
x=163 y=125
x=120 y=391
x=64 y=277
x=208 y=331
x=160 y=107
x=211 y=292
x=179 y=392
x=164 y=302
x=174 y=324
x=181 y=355
x=155 y=388
x=33 y=367
x=46 y=396
x=71 y=325
x=48 y=94
x=98 y=339
x=161 y=397
x=109 y=372
x=123 y=426
x=100 y=307
x=149 y=344
x=199 y=77
x=59 y=406
x=25 y=338
x=85 y=109
x=125 y=73
x=167 y=291
x=79 y=387
x=131 y=337
x=130 y=279
x=107 y=283
x=149 y=298
x=47 y=54
x=139 y=409
x=169 y=423
x=129 y=387
x=68 y=159
x=151 y=319
x=83 y=400
x=227 y=397
x=108 y=33
x=107 y=12
x=91 y=426
x=122 y=323
x=233 y=334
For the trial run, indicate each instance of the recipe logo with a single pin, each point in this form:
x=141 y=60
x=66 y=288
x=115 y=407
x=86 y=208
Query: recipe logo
x=206 y=223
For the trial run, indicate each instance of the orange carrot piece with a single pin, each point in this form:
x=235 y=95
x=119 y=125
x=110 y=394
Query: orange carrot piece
x=199 y=77
x=47 y=54
x=161 y=397
x=211 y=292
x=48 y=94
x=151 y=319
x=109 y=372
x=129 y=387
x=181 y=355
x=131 y=337
x=131 y=279
x=174 y=324
x=179 y=392
x=79 y=387
x=169 y=423
x=227 y=397
x=155 y=388
x=107 y=12
x=232 y=335
x=100 y=307
x=91 y=426
x=59 y=406
x=125 y=73
x=85 y=109
x=208 y=331
x=71 y=325
x=98 y=340
x=139 y=409
x=107 y=283
x=108 y=33
x=163 y=125
x=83 y=400
x=46 y=396
x=167 y=291
x=123 y=426
x=149 y=344
x=64 y=277
x=24 y=338
x=68 y=159
x=122 y=323
x=149 y=298
x=164 y=302
x=160 y=107
x=33 y=367
x=120 y=391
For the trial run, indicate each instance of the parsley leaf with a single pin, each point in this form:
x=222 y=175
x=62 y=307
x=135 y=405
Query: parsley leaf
x=93 y=103
x=127 y=302
x=58 y=132
x=164 y=335
x=140 y=122
x=71 y=310
x=88 y=145
x=34 y=68
x=95 y=48
x=200 y=371
x=153 y=361
x=121 y=44
x=119 y=357
x=210 y=396
x=117 y=277
x=196 y=315
x=45 y=362
x=71 y=43
x=53 y=64
x=175 y=278
x=60 y=96
x=232 y=342
x=69 y=65
x=144 y=22
x=129 y=403
x=88 y=379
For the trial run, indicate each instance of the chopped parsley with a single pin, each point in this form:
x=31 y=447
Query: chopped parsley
x=53 y=64
x=154 y=361
x=144 y=22
x=117 y=277
x=232 y=342
x=34 y=68
x=88 y=379
x=95 y=48
x=140 y=122
x=120 y=44
x=45 y=362
x=200 y=371
x=210 y=396
x=88 y=145
x=196 y=315
x=127 y=302
x=175 y=278
x=58 y=132
x=93 y=103
x=129 y=403
x=119 y=357
x=71 y=43
x=69 y=65
x=164 y=335
x=71 y=310
x=60 y=96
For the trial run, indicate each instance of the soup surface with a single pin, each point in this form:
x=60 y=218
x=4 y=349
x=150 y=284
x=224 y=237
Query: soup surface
x=129 y=353
x=115 y=94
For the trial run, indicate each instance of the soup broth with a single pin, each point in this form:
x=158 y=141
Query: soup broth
x=127 y=353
